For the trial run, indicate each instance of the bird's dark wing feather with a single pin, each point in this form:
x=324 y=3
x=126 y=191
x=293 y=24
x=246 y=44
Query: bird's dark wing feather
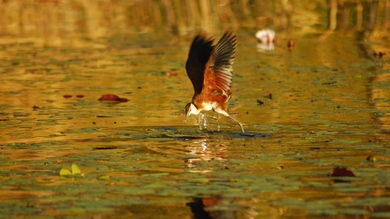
x=221 y=61
x=198 y=56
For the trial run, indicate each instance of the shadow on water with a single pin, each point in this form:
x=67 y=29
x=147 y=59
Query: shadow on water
x=315 y=105
x=206 y=208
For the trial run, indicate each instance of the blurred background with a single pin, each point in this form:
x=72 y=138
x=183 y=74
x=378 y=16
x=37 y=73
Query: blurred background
x=56 y=20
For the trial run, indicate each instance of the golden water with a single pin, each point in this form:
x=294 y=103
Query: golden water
x=329 y=108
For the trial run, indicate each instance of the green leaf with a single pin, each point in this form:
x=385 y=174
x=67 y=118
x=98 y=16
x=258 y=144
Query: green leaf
x=75 y=169
x=65 y=172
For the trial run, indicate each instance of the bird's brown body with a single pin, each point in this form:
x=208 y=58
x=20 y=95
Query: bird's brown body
x=210 y=71
x=211 y=93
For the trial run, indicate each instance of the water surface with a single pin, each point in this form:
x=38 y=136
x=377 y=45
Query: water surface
x=139 y=159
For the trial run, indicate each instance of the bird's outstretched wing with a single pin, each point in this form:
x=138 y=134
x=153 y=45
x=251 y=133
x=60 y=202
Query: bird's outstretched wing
x=221 y=61
x=198 y=56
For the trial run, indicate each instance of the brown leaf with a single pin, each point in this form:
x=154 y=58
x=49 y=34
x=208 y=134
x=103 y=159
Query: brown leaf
x=110 y=97
x=67 y=96
x=341 y=171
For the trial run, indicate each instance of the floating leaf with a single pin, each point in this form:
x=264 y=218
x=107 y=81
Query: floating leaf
x=341 y=172
x=75 y=169
x=104 y=177
x=109 y=97
x=67 y=96
x=75 y=172
x=65 y=172
x=371 y=158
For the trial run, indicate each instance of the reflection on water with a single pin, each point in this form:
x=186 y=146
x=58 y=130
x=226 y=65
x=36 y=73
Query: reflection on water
x=202 y=208
x=325 y=104
x=203 y=151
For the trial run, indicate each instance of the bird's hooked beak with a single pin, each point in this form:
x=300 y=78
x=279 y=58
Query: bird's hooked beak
x=187 y=111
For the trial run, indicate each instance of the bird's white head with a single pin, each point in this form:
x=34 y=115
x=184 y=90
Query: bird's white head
x=191 y=109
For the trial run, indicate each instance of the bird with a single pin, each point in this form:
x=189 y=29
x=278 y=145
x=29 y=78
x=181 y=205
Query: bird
x=266 y=36
x=210 y=69
x=266 y=40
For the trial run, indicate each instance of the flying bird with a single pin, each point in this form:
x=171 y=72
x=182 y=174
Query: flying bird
x=210 y=69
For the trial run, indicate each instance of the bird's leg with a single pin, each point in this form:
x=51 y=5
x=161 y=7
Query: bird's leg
x=223 y=112
x=204 y=117
x=239 y=123
x=218 y=125
x=210 y=116
x=214 y=117
x=202 y=121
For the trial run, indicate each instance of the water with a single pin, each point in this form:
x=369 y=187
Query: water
x=325 y=105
